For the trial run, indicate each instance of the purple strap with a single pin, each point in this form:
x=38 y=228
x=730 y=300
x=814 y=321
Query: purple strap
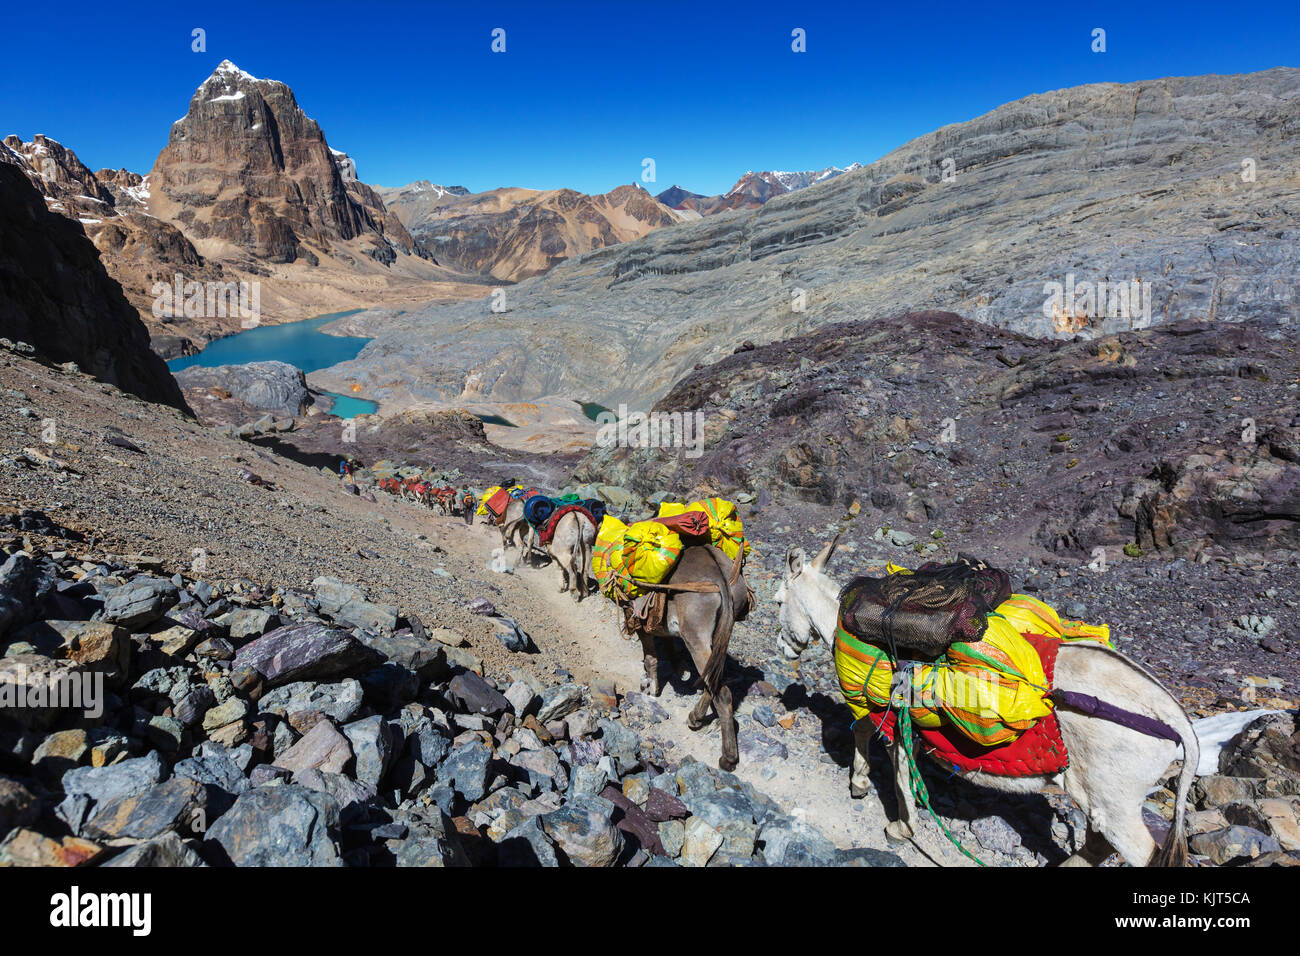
x=1087 y=704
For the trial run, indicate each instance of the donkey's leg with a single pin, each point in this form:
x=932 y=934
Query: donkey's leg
x=560 y=560
x=859 y=781
x=699 y=651
x=650 y=683
x=576 y=572
x=1094 y=851
x=699 y=714
x=902 y=829
x=1111 y=769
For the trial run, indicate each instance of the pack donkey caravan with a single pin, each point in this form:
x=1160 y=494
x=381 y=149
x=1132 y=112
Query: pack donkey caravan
x=1117 y=729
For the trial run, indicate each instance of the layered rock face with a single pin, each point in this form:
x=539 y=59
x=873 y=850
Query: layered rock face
x=1115 y=183
x=511 y=234
x=56 y=296
x=137 y=249
x=247 y=168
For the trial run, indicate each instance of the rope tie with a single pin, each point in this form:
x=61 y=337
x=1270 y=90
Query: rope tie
x=904 y=737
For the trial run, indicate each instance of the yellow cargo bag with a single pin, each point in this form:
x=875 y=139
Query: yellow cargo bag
x=651 y=551
x=726 y=529
x=644 y=551
x=482 y=505
x=608 y=564
x=1031 y=615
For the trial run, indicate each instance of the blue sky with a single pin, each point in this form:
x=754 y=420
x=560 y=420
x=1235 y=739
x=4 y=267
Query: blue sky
x=586 y=91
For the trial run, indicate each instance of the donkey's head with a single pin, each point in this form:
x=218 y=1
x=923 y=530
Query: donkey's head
x=808 y=600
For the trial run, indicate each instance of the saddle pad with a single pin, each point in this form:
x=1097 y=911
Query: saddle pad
x=548 y=530
x=497 y=503
x=1038 y=751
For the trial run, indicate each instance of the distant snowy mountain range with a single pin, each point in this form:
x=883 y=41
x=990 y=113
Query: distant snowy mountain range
x=752 y=189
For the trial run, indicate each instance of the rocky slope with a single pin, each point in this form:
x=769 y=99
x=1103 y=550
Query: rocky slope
x=364 y=690
x=512 y=234
x=368 y=691
x=1109 y=182
x=56 y=298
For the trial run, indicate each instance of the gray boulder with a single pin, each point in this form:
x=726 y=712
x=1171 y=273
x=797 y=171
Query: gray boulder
x=167 y=849
x=287 y=825
x=558 y=702
x=372 y=746
x=305 y=651
x=86 y=787
x=337 y=701
x=275 y=386
x=473 y=694
x=175 y=804
x=584 y=831
x=465 y=770
x=24 y=586
x=140 y=601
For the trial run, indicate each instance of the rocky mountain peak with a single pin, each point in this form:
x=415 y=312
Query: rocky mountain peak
x=68 y=186
x=246 y=171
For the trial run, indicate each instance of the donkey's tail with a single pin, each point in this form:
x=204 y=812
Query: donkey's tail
x=583 y=555
x=1174 y=850
x=711 y=676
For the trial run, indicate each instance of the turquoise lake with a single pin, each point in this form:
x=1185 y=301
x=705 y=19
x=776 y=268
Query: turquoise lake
x=300 y=344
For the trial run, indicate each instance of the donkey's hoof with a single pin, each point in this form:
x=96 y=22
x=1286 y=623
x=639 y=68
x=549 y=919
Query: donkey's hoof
x=728 y=763
x=693 y=722
x=898 y=832
x=857 y=792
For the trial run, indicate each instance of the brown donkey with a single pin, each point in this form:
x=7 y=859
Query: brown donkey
x=702 y=599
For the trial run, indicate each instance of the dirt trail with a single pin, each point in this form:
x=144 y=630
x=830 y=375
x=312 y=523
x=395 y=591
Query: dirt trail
x=590 y=647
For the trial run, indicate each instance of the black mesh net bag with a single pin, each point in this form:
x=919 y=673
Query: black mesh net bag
x=927 y=610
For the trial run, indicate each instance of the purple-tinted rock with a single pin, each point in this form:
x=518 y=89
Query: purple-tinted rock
x=306 y=651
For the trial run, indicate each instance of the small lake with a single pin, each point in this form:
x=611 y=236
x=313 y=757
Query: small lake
x=300 y=344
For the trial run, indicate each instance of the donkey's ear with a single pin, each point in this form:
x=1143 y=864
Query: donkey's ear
x=794 y=561
x=819 y=562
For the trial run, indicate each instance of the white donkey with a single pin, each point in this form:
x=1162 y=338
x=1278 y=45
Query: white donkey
x=1112 y=767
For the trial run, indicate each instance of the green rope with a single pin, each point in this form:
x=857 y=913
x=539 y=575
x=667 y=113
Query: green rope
x=920 y=792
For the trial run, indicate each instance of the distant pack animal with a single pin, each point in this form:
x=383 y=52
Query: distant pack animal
x=444 y=498
x=1112 y=765
x=572 y=535
x=515 y=527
